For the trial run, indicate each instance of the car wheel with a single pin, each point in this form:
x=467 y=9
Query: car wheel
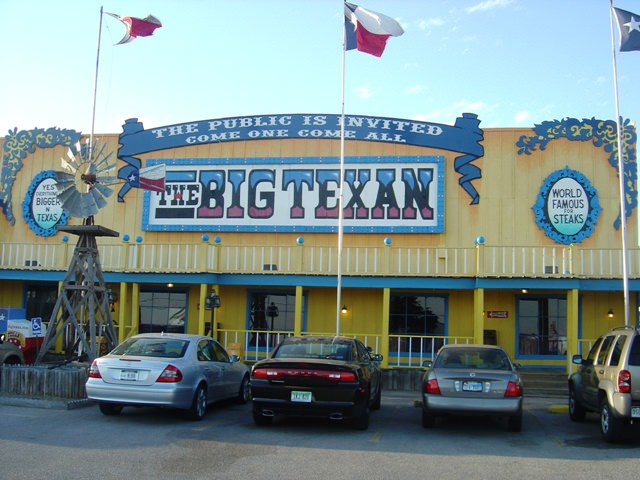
x=377 y=400
x=576 y=411
x=428 y=419
x=244 y=393
x=514 y=424
x=109 y=408
x=199 y=404
x=259 y=419
x=610 y=426
x=361 y=421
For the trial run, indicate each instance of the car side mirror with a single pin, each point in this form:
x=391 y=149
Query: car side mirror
x=427 y=364
x=235 y=358
x=376 y=357
x=577 y=359
x=2 y=337
x=517 y=366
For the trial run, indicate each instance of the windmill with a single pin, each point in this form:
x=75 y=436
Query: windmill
x=82 y=310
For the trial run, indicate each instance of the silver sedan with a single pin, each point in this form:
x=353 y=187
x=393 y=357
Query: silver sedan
x=472 y=380
x=180 y=371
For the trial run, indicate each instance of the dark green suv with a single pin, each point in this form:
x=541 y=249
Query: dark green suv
x=608 y=382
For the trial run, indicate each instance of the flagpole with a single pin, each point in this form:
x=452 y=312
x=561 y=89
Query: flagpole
x=623 y=217
x=340 y=189
x=95 y=84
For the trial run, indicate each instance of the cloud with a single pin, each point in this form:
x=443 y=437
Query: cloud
x=448 y=114
x=364 y=92
x=488 y=5
x=430 y=22
x=414 y=89
x=522 y=117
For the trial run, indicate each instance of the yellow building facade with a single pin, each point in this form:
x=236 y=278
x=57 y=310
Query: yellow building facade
x=449 y=233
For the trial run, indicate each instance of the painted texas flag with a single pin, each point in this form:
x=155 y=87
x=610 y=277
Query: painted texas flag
x=368 y=31
x=149 y=178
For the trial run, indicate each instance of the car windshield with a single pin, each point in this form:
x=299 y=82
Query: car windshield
x=152 y=347
x=336 y=351
x=488 y=359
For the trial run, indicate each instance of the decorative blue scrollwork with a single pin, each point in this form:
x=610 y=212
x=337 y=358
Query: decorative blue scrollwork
x=603 y=133
x=16 y=146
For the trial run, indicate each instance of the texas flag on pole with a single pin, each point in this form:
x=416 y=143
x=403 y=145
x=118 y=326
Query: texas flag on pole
x=368 y=31
x=629 y=29
x=137 y=27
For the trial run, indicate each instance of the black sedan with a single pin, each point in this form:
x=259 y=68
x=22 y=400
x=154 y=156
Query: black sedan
x=317 y=376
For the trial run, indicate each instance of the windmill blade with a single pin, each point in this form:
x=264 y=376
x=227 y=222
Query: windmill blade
x=104 y=159
x=69 y=167
x=108 y=180
x=102 y=190
x=63 y=177
x=98 y=198
x=88 y=205
x=68 y=196
x=104 y=169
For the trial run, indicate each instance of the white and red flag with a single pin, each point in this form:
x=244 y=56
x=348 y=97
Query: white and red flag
x=152 y=178
x=137 y=27
x=368 y=31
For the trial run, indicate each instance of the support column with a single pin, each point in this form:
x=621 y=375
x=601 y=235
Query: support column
x=297 y=320
x=123 y=327
x=478 y=315
x=572 y=326
x=202 y=312
x=135 y=308
x=384 y=334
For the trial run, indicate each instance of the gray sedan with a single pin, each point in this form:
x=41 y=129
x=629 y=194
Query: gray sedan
x=472 y=380
x=180 y=371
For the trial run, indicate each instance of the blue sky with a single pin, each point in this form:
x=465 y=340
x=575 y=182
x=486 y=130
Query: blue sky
x=512 y=62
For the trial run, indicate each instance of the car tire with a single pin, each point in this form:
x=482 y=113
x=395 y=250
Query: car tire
x=377 y=400
x=428 y=419
x=610 y=426
x=514 y=423
x=576 y=411
x=259 y=419
x=198 y=407
x=109 y=409
x=244 y=394
x=361 y=421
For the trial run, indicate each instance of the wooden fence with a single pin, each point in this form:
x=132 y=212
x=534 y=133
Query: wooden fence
x=43 y=382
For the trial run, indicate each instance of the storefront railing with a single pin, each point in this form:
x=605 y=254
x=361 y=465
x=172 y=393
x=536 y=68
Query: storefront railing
x=487 y=261
x=403 y=351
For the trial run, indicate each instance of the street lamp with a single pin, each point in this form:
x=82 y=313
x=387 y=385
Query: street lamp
x=211 y=303
x=272 y=312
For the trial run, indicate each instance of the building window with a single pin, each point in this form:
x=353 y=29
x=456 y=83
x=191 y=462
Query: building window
x=41 y=300
x=419 y=316
x=162 y=311
x=542 y=326
x=272 y=313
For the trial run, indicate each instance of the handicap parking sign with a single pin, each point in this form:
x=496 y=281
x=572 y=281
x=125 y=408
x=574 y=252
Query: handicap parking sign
x=36 y=326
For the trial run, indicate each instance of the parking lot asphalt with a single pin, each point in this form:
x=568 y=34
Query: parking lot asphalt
x=398 y=397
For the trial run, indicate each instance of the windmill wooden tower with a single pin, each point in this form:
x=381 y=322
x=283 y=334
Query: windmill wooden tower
x=81 y=314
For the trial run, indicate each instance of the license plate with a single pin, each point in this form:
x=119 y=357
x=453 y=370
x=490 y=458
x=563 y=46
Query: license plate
x=635 y=412
x=301 y=397
x=129 y=375
x=472 y=386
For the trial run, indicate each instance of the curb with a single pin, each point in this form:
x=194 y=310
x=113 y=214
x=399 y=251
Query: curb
x=50 y=403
